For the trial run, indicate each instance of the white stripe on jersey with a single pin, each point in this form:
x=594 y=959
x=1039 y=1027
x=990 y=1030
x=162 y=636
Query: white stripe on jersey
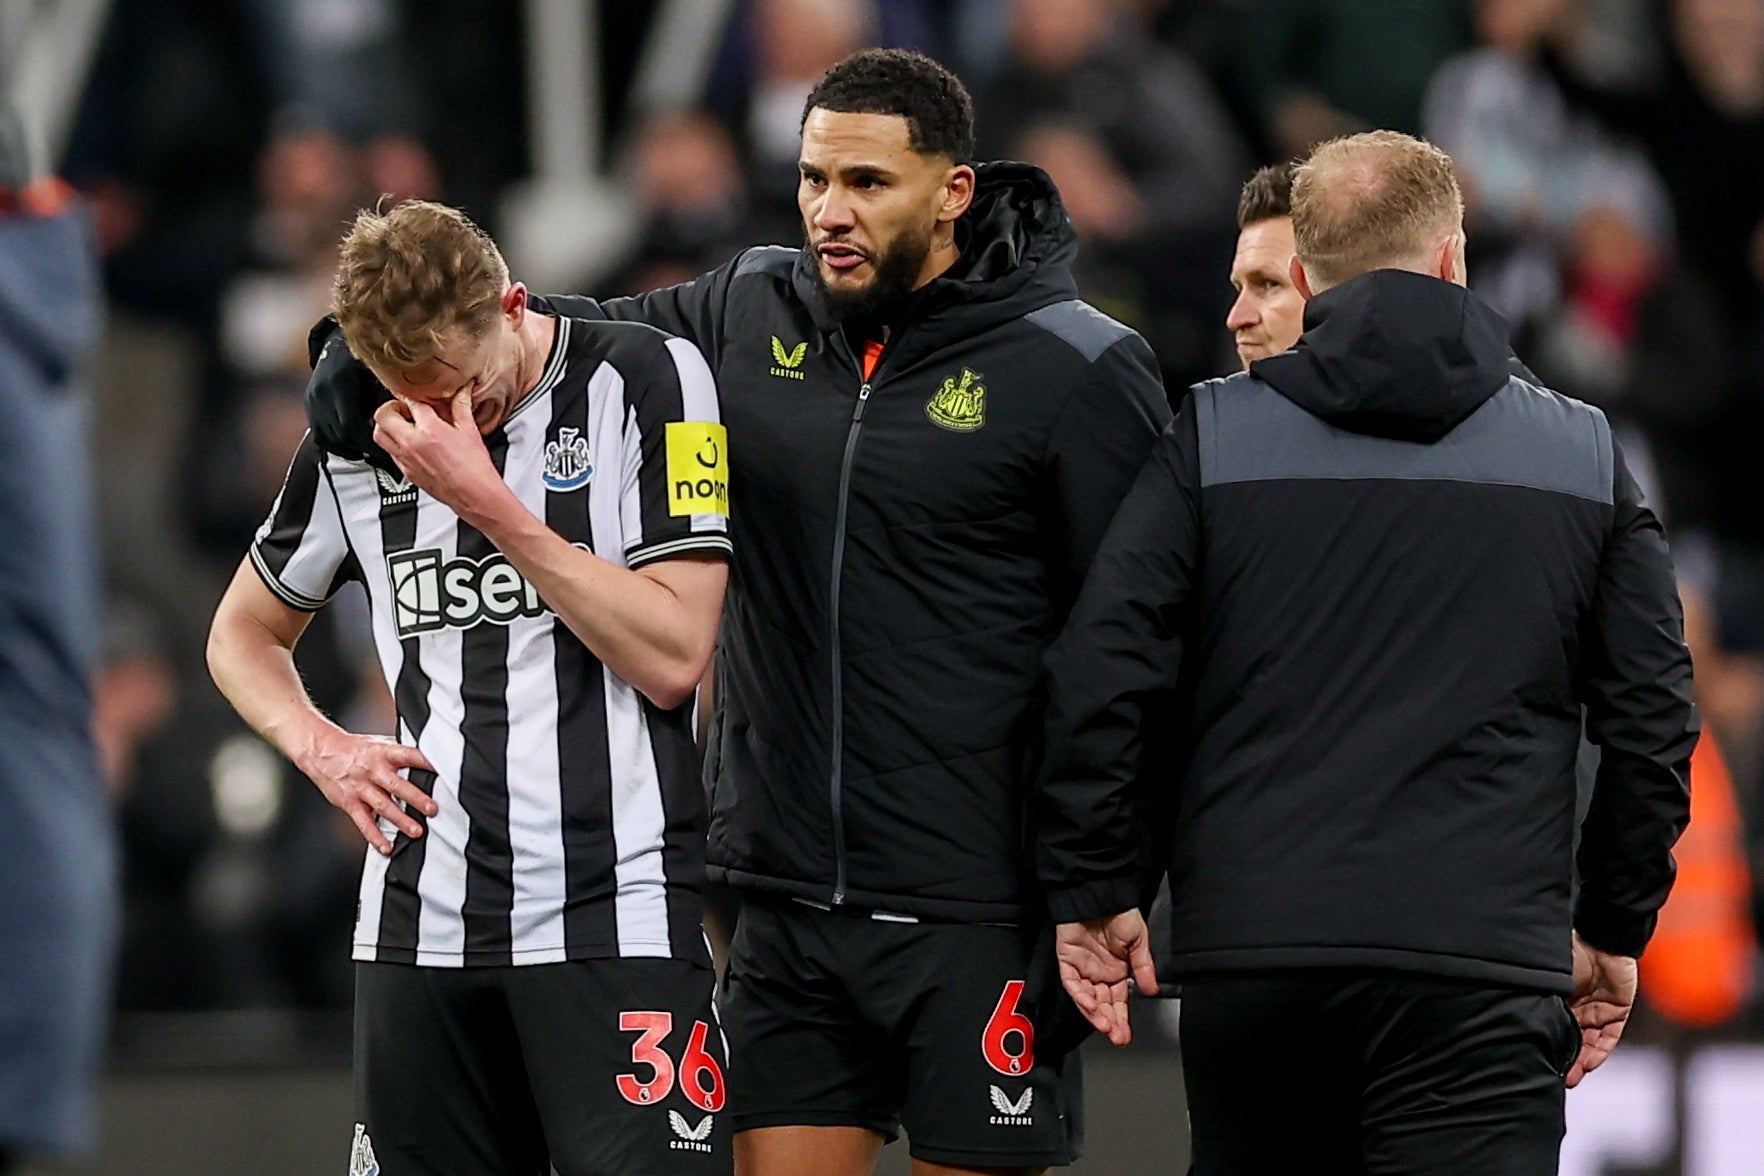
x=698 y=400
x=608 y=496
x=535 y=794
x=442 y=883
x=639 y=826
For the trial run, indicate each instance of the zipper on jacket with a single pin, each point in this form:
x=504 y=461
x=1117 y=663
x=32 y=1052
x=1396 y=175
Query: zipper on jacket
x=838 y=775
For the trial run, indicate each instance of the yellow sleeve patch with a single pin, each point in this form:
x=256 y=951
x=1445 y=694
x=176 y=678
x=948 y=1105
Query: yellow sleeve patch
x=698 y=468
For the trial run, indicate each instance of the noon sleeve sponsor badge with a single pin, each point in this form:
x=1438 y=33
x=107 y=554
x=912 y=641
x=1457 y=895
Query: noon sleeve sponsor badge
x=698 y=468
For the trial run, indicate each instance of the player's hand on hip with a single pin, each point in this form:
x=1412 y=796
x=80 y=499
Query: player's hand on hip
x=1604 y=995
x=360 y=775
x=443 y=455
x=1096 y=959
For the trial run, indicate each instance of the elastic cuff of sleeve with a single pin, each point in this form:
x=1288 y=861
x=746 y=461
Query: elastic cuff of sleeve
x=1093 y=900
x=1611 y=929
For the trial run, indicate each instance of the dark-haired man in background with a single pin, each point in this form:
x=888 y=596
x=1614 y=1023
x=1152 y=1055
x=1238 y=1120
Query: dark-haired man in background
x=935 y=432
x=1269 y=314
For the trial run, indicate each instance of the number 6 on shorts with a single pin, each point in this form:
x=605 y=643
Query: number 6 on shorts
x=996 y=1042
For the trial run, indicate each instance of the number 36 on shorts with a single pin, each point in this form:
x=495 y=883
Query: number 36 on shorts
x=701 y=1079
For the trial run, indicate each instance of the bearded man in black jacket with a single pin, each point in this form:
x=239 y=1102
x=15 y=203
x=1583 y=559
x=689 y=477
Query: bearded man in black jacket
x=933 y=433
x=1381 y=574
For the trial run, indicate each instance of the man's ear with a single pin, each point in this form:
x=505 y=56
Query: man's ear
x=1295 y=269
x=514 y=303
x=1449 y=260
x=958 y=193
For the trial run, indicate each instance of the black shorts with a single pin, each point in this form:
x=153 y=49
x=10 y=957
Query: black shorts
x=610 y=1067
x=840 y=1019
x=1331 y=1072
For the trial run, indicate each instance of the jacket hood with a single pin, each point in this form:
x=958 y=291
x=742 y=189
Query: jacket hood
x=1017 y=246
x=49 y=293
x=1394 y=354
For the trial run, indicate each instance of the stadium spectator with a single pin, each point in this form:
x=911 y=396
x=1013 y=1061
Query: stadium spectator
x=1642 y=338
x=1150 y=281
x=1269 y=314
x=136 y=690
x=164 y=147
x=691 y=190
x=1528 y=161
x=926 y=409
x=336 y=65
x=57 y=854
x=1330 y=67
x=1702 y=123
x=541 y=863
x=1417 y=567
x=1087 y=65
x=793 y=43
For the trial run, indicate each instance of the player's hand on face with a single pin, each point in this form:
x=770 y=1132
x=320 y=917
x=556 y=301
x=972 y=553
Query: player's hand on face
x=1096 y=958
x=359 y=774
x=445 y=455
x=1604 y=996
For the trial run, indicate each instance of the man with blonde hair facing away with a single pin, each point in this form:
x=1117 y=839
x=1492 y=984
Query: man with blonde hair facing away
x=543 y=544
x=1416 y=568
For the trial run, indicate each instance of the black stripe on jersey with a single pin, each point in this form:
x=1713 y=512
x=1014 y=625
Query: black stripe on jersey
x=584 y=765
x=349 y=569
x=680 y=770
x=401 y=904
x=271 y=554
x=654 y=398
x=483 y=771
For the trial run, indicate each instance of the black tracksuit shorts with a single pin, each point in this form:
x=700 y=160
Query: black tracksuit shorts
x=841 y=1018
x=1344 y=1072
x=605 y=1067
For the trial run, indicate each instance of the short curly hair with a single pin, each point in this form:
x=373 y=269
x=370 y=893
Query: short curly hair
x=408 y=275
x=1265 y=196
x=935 y=104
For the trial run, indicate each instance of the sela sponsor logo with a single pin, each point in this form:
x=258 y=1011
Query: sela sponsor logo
x=361 y=1154
x=698 y=468
x=566 y=461
x=690 y=1138
x=1012 y=1113
x=395 y=489
x=787 y=365
x=960 y=404
x=429 y=594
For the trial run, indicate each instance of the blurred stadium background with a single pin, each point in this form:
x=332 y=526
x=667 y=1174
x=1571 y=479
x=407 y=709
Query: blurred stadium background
x=1613 y=156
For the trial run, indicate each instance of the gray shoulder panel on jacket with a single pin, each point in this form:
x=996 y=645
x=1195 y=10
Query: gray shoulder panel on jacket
x=1082 y=326
x=1521 y=436
x=773 y=259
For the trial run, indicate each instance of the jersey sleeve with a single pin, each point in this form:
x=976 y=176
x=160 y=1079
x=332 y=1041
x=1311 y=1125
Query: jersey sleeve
x=300 y=550
x=674 y=496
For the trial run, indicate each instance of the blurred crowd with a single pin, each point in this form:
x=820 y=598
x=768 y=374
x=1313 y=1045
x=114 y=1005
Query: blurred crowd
x=1612 y=152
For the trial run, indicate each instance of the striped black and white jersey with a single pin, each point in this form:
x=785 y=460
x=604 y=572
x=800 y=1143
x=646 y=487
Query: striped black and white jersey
x=571 y=821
